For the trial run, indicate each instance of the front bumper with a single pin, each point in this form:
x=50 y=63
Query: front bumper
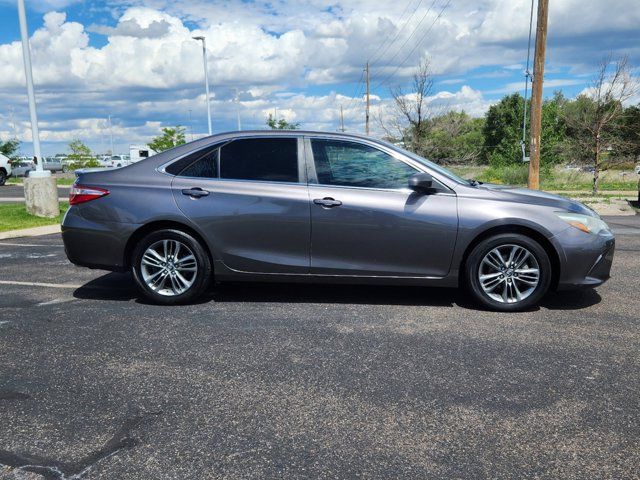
x=587 y=258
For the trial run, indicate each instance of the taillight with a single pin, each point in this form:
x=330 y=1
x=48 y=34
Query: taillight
x=81 y=194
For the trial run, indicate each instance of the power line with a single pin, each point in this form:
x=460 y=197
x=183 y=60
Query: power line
x=412 y=33
x=388 y=77
x=400 y=30
x=527 y=75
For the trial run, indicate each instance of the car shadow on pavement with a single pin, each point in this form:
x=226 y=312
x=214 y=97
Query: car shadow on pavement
x=121 y=287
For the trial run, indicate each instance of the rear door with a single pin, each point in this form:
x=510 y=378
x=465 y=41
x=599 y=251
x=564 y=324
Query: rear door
x=249 y=196
x=365 y=221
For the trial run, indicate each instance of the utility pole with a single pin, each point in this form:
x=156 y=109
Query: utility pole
x=536 y=93
x=110 y=137
x=366 y=128
x=206 y=79
x=341 y=120
x=238 y=109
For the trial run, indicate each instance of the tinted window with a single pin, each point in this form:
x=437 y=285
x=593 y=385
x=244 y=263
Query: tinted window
x=202 y=164
x=356 y=165
x=268 y=159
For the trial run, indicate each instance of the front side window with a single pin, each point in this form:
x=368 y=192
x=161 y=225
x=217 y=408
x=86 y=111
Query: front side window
x=263 y=159
x=353 y=164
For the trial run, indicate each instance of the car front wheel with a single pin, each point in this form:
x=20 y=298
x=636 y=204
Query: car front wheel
x=171 y=267
x=3 y=178
x=508 y=272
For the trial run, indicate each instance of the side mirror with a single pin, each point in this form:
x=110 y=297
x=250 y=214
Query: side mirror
x=421 y=182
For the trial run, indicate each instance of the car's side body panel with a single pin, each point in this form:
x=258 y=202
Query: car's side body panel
x=253 y=227
x=382 y=232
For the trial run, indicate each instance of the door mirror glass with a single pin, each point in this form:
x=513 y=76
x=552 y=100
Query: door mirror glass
x=421 y=182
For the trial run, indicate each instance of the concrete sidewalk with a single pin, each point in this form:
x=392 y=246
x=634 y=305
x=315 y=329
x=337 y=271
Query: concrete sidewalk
x=31 y=232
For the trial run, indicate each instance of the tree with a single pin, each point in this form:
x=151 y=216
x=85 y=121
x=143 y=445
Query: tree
x=10 y=147
x=410 y=111
x=503 y=130
x=281 y=124
x=595 y=117
x=170 y=137
x=80 y=156
x=630 y=133
x=454 y=137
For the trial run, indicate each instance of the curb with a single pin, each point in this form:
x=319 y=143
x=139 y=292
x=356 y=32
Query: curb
x=31 y=232
x=21 y=199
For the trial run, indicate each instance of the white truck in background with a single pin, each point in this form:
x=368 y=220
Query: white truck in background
x=140 y=152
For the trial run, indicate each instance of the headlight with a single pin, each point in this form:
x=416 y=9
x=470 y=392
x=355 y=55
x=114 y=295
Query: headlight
x=585 y=223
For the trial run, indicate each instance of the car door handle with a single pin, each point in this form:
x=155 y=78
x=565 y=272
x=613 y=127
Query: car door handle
x=327 y=202
x=196 y=192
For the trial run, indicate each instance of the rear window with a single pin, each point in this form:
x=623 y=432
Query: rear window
x=264 y=159
x=201 y=164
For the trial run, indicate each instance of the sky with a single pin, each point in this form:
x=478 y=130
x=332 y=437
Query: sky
x=136 y=61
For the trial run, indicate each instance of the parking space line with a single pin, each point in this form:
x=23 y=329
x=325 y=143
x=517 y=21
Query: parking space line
x=30 y=245
x=39 y=284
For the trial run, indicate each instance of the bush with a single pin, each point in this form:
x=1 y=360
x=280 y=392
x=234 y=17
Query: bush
x=506 y=175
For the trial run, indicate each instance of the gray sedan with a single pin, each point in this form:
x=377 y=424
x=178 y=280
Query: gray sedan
x=323 y=207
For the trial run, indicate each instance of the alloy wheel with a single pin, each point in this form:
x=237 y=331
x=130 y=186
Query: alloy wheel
x=509 y=273
x=169 y=267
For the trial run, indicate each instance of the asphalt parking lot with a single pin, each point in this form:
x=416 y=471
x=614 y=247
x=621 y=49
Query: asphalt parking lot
x=281 y=381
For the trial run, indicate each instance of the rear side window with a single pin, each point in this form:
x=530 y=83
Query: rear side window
x=265 y=159
x=201 y=164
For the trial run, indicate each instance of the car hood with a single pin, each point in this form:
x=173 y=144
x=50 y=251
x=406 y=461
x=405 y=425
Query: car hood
x=536 y=197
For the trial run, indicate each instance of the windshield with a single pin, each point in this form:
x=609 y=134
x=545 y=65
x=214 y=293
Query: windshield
x=441 y=170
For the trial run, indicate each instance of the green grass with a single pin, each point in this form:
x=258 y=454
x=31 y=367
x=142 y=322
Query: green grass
x=59 y=181
x=14 y=216
x=550 y=179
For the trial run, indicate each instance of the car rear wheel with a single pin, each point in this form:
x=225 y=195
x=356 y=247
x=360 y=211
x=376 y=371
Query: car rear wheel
x=171 y=267
x=508 y=272
x=3 y=177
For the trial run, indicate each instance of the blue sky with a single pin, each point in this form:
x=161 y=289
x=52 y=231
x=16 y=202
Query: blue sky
x=136 y=61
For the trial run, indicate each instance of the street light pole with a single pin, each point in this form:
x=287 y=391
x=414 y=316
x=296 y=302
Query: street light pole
x=40 y=191
x=26 y=57
x=206 y=78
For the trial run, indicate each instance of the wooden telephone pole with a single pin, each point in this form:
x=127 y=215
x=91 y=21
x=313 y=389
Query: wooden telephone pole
x=536 y=94
x=366 y=128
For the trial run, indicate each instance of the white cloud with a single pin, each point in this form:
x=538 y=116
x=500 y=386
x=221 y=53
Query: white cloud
x=278 y=53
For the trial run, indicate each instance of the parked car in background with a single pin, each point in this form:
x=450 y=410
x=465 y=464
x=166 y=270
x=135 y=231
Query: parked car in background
x=116 y=161
x=22 y=168
x=325 y=207
x=637 y=169
x=52 y=164
x=5 y=169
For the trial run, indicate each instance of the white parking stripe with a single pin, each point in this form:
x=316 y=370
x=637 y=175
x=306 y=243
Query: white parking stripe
x=55 y=301
x=29 y=245
x=39 y=284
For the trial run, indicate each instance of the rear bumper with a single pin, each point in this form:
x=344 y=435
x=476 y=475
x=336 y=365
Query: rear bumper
x=588 y=260
x=95 y=245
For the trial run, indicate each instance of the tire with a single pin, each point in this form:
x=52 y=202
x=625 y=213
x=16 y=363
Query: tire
x=164 y=280
x=64 y=169
x=496 y=284
x=3 y=177
x=26 y=174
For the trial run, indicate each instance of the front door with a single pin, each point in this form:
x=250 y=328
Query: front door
x=250 y=198
x=366 y=222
